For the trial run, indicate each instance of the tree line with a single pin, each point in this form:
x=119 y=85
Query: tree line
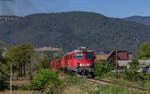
x=103 y=69
x=25 y=61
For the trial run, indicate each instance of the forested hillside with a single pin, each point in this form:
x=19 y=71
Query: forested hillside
x=139 y=19
x=73 y=29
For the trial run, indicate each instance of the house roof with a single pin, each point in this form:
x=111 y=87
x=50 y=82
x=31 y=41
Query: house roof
x=122 y=55
x=102 y=57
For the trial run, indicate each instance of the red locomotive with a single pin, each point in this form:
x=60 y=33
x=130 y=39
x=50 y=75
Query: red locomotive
x=79 y=62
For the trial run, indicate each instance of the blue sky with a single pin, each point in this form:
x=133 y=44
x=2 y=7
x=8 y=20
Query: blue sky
x=111 y=8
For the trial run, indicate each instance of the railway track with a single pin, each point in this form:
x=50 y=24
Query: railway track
x=105 y=82
x=114 y=83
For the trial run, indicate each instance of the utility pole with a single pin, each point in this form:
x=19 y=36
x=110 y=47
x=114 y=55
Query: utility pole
x=116 y=64
x=11 y=79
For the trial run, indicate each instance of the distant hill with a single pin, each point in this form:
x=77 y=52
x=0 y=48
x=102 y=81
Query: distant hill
x=73 y=29
x=139 y=19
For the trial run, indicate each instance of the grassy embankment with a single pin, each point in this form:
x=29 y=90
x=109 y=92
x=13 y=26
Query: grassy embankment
x=74 y=85
x=120 y=80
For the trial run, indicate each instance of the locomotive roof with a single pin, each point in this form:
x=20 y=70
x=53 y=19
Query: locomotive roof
x=77 y=50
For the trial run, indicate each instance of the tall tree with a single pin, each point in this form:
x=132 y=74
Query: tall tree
x=3 y=70
x=44 y=60
x=144 y=52
x=20 y=56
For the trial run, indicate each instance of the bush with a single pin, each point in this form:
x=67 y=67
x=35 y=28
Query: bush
x=103 y=68
x=132 y=74
x=47 y=81
x=23 y=87
x=44 y=61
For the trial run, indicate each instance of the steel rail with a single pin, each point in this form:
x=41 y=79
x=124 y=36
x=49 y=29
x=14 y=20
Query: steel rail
x=115 y=83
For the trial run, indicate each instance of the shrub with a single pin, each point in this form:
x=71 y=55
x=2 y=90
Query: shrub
x=47 y=81
x=103 y=68
x=44 y=61
x=132 y=74
x=24 y=87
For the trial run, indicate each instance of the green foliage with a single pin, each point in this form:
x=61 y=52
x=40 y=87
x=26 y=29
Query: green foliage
x=132 y=74
x=144 y=52
x=103 y=68
x=3 y=71
x=134 y=63
x=44 y=61
x=47 y=81
x=57 y=55
x=73 y=80
x=2 y=84
x=20 y=56
x=24 y=87
x=101 y=89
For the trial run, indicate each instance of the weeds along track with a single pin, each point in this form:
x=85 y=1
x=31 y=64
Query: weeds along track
x=105 y=82
x=114 y=83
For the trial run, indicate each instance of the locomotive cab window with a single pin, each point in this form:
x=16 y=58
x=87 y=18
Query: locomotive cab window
x=79 y=56
x=88 y=56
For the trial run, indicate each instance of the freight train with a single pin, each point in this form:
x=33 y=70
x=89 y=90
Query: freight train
x=79 y=62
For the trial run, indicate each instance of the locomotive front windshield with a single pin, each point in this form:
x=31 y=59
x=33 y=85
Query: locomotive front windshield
x=88 y=56
x=79 y=56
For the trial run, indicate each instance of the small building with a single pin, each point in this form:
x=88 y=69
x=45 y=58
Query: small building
x=124 y=58
x=121 y=55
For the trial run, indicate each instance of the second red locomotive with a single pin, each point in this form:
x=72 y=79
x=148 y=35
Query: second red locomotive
x=79 y=62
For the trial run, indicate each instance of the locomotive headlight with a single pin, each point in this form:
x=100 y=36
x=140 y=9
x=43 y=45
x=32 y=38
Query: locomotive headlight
x=80 y=64
x=88 y=64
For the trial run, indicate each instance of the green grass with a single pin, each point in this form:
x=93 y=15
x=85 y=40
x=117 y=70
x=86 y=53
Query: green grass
x=75 y=85
x=20 y=92
x=120 y=80
x=101 y=89
x=81 y=86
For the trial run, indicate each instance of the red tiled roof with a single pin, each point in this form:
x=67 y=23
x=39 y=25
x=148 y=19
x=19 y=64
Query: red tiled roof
x=122 y=55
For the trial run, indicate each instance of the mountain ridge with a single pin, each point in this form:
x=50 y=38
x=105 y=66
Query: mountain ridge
x=139 y=19
x=70 y=30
